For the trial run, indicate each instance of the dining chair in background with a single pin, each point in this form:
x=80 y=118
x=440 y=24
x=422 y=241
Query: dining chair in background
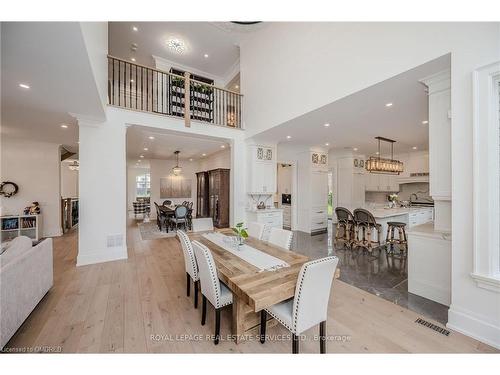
x=179 y=217
x=160 y=218
x=167 y=202
x=203 y=224
x=255 y=230
x=309 y=306
x=211 y=287
x=281 y=237
x=190 y=265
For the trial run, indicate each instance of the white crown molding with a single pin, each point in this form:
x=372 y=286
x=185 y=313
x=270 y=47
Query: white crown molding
x=231 y=73
x=438 y=82
x=83 y=120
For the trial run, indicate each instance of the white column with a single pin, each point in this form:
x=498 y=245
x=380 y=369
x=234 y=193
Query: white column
x=102 y=187
x=238 y=181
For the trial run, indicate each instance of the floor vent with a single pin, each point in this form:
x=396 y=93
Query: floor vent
x=433 y=326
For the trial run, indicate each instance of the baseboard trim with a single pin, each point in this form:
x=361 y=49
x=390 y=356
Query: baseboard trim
x=101 y=256
x=465 y=322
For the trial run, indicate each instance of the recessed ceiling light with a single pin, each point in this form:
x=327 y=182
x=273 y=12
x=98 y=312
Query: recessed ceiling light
x=203 y=154
x=236 y=86
x=151 y=137
x=288 y=137
x=132 y=80
x=327 y=144
x=425 y=122
x=222 y=146
x=135 y=28
x=326 y=125
x=176 y=45
x=145 y=149
x=64 y=126
x=191 y=159
x=377 y=153
x=388 y=104
x=355 y=149
x=24 y=86
x=141 y=156
x=205 y=55
x=414 y=147
x=133 y=59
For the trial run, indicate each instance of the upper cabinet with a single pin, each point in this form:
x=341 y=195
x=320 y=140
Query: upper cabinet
x=381 y=182
x=262 y=171
x=319 y=161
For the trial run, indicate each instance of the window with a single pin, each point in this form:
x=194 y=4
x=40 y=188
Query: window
x=486 y=270
x=143 y=185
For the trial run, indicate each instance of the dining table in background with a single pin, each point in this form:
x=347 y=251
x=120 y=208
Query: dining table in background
x=253 y=289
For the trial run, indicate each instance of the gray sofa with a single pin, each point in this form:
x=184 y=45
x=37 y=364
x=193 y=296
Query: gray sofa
x=26 y=275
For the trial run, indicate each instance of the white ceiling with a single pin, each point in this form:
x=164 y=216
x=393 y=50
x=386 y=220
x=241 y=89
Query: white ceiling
x=219 y=42
x=165 y=143
x=52 y=59
x=356 y=119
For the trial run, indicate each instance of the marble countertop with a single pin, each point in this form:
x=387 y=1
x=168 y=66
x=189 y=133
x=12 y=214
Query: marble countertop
x=381 y=213
x=271 y=209
x=427 y=230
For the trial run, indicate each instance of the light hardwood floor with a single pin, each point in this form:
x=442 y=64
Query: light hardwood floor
x=140 y=305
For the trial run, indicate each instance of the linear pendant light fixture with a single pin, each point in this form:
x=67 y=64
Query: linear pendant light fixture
x=376 y=164
x=177 y=170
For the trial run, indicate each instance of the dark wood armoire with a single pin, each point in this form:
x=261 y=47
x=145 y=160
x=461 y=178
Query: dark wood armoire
x=218 y=193
x=202 y=194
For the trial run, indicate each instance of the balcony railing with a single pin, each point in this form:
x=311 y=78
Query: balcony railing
x=141 y=88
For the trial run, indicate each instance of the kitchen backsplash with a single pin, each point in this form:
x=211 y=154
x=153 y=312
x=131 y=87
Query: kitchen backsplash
x=405 y=190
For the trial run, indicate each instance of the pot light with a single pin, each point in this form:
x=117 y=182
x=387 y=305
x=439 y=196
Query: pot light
x=64 y=126
x=151 y=137
x=377 y=153
x=24 y=86
x=139 y=160
x=135 y=28
x=222 y=146
x=205 y=55
x=327 y=144
x=288 y=137
x=355 y=149
x=388 y=104
x=176 y=45
x=191 y=159
x=203 y=154
x=236 y=86
x=133 y=59
x=326 y=125
x=146 y=149
x=132 y=80
x=425 y=122
x=414 y=147
x=141 y=156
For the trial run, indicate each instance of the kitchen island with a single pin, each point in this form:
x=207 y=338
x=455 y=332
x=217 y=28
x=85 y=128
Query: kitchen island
x=410 y=216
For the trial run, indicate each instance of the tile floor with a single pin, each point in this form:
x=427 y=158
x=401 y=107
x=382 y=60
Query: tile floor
x=384 y=276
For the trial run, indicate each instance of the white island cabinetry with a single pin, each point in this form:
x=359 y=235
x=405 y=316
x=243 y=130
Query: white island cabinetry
x=271 y=218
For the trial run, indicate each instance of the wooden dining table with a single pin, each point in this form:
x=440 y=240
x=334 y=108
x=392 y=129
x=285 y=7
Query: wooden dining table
x=253 y=290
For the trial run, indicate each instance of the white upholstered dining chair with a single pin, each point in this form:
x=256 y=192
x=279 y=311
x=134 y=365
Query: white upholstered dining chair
x=190 y=265
x=211 y=288
x=281 y=237
x=309 y=305
x=255 y=230
x=203 y=224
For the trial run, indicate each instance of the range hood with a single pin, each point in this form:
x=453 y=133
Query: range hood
x=414 y=178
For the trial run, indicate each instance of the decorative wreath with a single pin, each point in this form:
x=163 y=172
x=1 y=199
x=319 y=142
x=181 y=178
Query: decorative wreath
x=10 y=192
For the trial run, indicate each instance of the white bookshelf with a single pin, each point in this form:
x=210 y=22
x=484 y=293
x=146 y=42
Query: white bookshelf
x=20 y=225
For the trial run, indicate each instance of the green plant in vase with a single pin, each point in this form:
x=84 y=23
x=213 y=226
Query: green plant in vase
x=241 y=233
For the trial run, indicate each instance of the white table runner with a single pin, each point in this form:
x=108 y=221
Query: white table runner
x=257 y=258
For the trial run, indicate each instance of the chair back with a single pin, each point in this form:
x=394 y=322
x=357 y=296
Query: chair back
x=210 y=284
x=310 y=304
x=255 y=230
x=190 y=205
x=189 y=258
x=281 y=237
x=203 y=224
x=363 y=217
x=180 y=212
x=157 y=209
x=343 y=215
x=167 y=202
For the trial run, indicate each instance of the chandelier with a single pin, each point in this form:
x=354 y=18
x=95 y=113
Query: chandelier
x=75 y=166
x=177 y=170
x=176 y=45
x=376 y=164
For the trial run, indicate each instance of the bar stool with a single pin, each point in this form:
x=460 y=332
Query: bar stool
x=402 y=241
x=365 y=222
x=345 y=222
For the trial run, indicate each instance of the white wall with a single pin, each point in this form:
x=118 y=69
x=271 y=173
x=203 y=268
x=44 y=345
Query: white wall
x=69 y=181
x=219 y=159
x=35 y=167
x=328 y=61
x=163 y=168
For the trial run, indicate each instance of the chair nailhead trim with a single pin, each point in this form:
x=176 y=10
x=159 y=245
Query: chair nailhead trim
x=185 y=239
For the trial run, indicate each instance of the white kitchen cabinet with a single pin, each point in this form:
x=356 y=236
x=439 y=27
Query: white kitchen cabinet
x=351 y=183
x=270 y=219
x=381 y=182
x=262 y=171
x=420 y=216
x=287 y=216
